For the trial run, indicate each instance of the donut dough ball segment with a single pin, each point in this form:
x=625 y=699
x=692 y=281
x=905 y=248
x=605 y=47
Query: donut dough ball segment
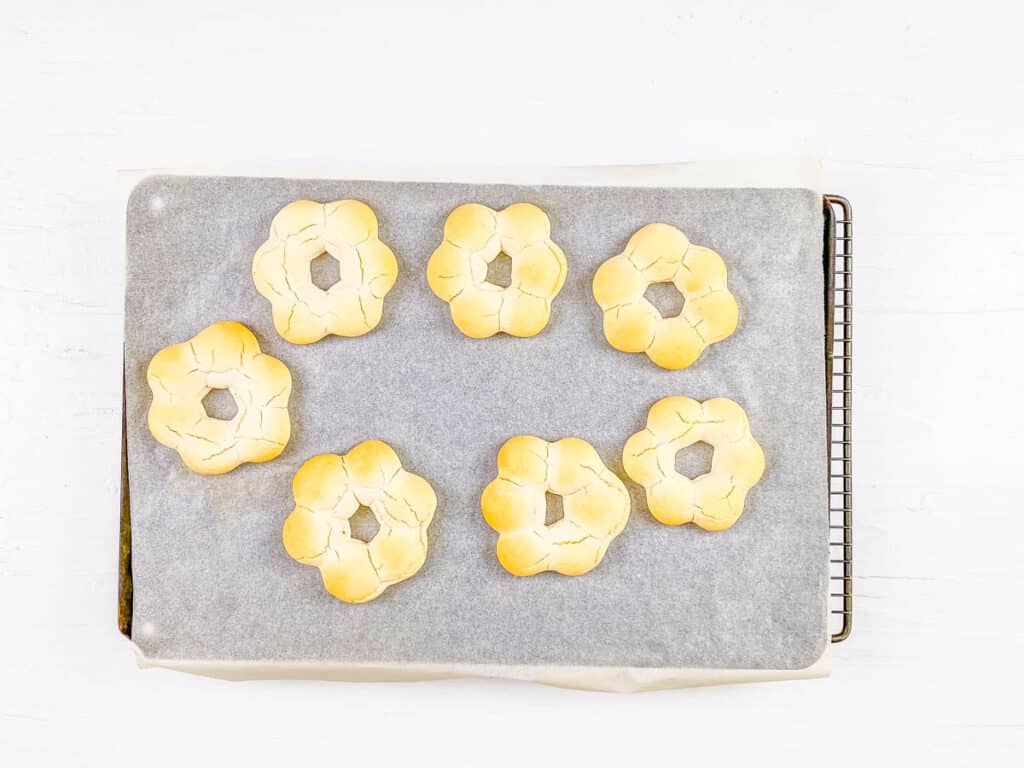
x=301 y=232
x=224 y=356
x=660 y=253
x=329 y=489
x=475 y=235
x=595 y=506
x=714 y=501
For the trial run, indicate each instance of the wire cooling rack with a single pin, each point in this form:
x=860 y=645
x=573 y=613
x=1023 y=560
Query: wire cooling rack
x=839 y=391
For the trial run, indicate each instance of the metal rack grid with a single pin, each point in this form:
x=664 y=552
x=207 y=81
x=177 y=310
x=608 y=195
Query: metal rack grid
x=839 y=391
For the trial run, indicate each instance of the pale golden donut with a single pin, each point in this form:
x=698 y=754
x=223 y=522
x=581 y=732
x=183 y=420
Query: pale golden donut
x=329 y=489
x=595 y=506
x=224 y=356
x=660 y=253
x=299 y=233
x=714 y=501
x=474 y=235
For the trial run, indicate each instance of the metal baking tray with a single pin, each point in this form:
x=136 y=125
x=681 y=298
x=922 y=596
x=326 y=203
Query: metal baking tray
x=838 y=290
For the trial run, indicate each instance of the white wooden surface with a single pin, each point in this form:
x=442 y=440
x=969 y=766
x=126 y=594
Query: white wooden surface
x=917 y=111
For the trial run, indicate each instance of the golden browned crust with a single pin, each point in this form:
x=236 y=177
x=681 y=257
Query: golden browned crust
x=329 y=489
x=474 y=235
x=660 y=253
x=299 y=233
x=594 y=501
x=225 y=355
x=714 y=501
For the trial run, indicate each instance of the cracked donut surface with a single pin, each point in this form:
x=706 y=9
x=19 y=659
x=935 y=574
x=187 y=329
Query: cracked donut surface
x=227 y=356
x=713 y=501
x=660 y=253
x=475 y=235
x=301 y=232
x=594 y=501
x=329 y=489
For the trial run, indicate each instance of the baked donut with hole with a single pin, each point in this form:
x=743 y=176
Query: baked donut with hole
x=595 y=506
x=329 y=489
x=474 y=236
x=661 y=253
x=226 y=355
x=714 y=500
x=303 y=231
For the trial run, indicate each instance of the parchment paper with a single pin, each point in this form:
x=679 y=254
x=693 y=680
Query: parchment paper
x=212 y=581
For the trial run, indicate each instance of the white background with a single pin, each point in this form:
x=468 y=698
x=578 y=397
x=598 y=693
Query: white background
x=917 y=112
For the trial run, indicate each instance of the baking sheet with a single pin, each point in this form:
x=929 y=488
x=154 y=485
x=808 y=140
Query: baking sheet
x=212 y=581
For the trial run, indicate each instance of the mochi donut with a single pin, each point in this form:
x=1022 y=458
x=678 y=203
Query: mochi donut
x=713 y=501
x=329 y=489
x=475 y=235
x=303 y=231
x=660 y=253
x=224 y=356
x=595 y=506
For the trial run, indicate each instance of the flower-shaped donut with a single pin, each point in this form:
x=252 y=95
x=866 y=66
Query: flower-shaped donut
x=714 y=500
x=475 y=235
x=301 y=232
x=224 y=356
x=329 y=489
x=660 y=253
x=595 y=506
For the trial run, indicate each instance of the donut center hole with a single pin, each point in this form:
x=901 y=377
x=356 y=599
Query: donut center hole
x=324 y=271
x=666 y=298
x=554 y=511
x=499 y=270
x=694 y=460
x=220 y=404
x=363 y=524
